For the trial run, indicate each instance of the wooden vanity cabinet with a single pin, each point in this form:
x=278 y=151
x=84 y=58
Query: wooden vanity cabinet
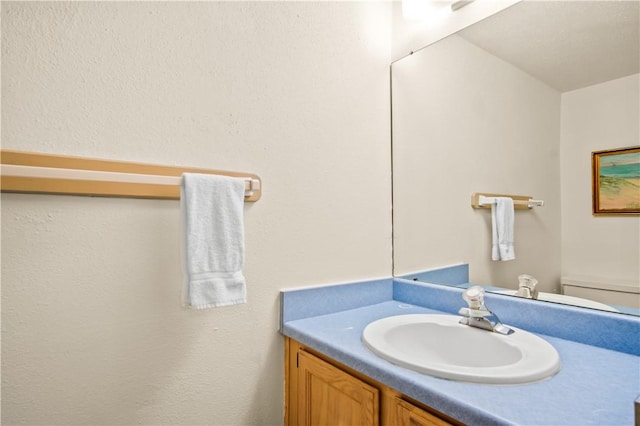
x=329 y=396
x=320 y=391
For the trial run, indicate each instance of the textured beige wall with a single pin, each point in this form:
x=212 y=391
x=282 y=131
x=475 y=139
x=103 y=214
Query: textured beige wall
x=92 y=327
x=465 y=121
x=595 y=118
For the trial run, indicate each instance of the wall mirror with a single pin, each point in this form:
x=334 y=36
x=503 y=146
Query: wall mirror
x=515 y=104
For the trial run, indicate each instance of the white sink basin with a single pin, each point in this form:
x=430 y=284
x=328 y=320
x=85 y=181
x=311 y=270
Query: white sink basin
x=439 y=346
x=567 y=300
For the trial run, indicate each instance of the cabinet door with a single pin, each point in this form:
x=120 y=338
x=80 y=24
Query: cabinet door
x=410 y=415
x=329 y=396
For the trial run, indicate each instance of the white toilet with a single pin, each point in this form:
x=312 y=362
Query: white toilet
x=610 y=292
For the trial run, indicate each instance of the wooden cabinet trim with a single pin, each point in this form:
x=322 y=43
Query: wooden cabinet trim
x=410 y=414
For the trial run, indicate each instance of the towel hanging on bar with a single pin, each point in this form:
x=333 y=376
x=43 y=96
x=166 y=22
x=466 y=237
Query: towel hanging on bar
x=502 y=229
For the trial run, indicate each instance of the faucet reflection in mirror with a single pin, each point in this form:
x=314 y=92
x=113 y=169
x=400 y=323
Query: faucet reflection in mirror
x=527 y=287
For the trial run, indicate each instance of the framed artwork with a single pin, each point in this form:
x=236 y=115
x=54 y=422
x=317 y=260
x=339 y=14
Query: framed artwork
x=616 y=181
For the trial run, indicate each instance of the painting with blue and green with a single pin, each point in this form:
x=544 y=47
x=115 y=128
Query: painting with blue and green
x=620 y=181
x=621 y=165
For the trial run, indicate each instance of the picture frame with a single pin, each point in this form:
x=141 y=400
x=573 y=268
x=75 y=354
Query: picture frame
x=616 y=181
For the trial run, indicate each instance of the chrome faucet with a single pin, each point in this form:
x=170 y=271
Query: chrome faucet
x=527 y=287
x=477 y=314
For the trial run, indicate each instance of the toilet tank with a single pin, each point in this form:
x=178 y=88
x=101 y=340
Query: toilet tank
x=608 y=291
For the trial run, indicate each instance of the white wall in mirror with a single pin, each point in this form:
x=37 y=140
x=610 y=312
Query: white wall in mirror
x=598 y=117
x=447 y=100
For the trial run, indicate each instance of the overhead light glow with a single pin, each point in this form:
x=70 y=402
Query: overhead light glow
x=429 y=10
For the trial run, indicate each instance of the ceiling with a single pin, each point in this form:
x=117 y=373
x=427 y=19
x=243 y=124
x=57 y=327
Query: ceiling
x=566 y=44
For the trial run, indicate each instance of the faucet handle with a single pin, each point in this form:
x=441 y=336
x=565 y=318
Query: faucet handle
x=528 y=281
x=474 y=296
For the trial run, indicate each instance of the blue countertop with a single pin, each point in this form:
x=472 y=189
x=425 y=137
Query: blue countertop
x=595 y=386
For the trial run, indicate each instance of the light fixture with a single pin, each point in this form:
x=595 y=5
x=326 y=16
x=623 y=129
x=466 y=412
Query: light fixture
x=430 y=10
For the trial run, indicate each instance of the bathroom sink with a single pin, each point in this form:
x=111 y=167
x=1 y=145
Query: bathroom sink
x=566 y=300
x=439 y=346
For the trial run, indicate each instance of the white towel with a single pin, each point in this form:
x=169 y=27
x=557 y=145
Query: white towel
x=502 y=229
x=212 y=211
